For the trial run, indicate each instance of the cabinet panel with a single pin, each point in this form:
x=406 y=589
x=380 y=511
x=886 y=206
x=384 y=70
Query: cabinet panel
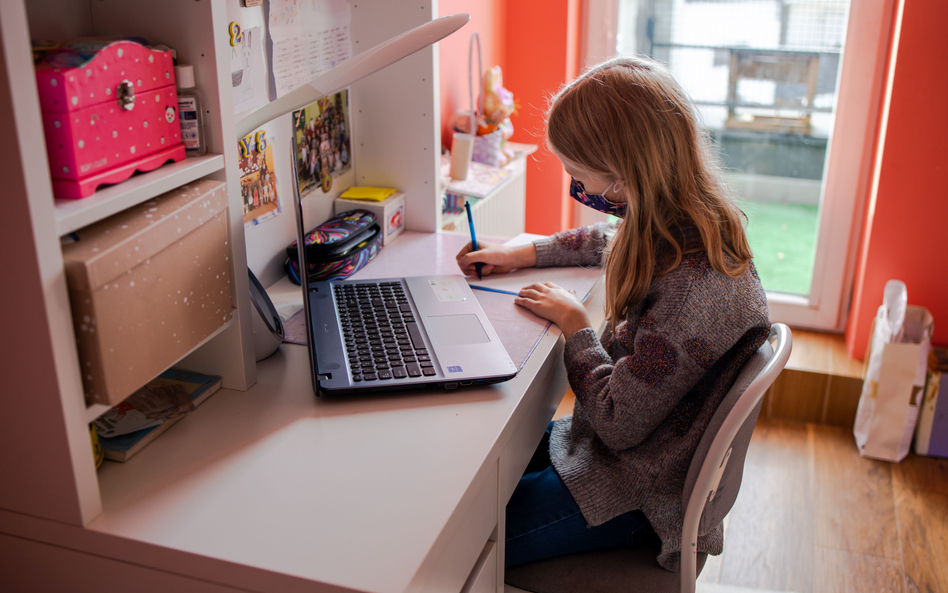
x=463 y=539
x=53 y=476
x=397 y=135
x=483 y=578
x=32 y=566
x=59 y=19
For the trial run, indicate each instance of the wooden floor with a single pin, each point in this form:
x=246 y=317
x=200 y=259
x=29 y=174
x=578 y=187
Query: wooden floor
x=814 y=516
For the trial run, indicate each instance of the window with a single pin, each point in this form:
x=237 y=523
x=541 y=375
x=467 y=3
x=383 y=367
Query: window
x=792 y=120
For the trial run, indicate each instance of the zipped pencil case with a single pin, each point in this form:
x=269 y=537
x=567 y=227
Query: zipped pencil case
x=337 y=248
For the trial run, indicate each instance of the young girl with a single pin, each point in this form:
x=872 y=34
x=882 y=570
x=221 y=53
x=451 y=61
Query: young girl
x=684 y=310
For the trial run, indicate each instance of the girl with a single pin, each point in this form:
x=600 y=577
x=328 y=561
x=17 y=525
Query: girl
x=684 y=310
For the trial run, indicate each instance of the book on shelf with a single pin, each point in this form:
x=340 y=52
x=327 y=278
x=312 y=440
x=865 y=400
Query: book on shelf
x=454 y=203
x=127 y=428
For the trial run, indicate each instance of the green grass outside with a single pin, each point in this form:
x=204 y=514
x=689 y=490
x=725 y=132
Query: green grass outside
x=783 y=238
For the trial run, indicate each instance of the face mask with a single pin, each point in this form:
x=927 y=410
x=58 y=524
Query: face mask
x=595 y=201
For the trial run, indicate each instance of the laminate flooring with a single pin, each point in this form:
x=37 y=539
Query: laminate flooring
x=813 y=516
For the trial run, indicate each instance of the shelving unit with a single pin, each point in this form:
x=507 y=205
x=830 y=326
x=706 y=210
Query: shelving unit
x=66 y=487
x=54 y=478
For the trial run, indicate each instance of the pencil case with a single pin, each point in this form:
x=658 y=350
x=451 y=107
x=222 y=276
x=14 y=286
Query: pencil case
x=337 y=248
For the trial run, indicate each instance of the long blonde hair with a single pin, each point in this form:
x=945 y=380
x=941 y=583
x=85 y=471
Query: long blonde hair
x=627 y=119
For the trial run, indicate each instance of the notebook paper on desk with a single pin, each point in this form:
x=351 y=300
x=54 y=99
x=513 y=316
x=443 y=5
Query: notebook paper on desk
x=519 y=329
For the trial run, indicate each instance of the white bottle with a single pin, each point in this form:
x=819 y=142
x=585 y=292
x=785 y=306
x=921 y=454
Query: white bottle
x=190 y=111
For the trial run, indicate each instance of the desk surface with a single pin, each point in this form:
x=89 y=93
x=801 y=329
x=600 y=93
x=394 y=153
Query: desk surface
x=358 y=492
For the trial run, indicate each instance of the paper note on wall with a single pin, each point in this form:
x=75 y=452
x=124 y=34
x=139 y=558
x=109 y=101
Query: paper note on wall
x=305 y=38
x=248 y=71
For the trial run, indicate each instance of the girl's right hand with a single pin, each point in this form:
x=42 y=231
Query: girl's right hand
x=497 y=259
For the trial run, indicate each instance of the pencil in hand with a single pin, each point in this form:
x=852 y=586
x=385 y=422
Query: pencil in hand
x=474 y=247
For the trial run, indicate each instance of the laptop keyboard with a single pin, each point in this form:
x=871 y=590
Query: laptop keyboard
x=382 y=338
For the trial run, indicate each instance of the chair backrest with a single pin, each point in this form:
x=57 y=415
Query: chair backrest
x=714 y=477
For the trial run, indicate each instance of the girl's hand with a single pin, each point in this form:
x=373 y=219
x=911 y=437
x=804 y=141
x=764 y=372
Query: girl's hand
x=496 y=259
x=552 y=302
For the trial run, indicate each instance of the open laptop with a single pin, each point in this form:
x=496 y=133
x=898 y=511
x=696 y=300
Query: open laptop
x=396 y=333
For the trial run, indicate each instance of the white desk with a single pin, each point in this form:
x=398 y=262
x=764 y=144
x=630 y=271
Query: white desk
x=273 y=489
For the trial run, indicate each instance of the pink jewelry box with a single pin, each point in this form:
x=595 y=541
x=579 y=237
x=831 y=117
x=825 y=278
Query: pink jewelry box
x=109 y=109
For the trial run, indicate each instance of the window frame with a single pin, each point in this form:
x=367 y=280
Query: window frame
x=848 y=172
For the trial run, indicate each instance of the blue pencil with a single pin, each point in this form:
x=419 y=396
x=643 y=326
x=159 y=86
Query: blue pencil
x=476 y=287
x=470 y=220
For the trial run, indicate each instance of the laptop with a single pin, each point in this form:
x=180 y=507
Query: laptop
x=394 y=334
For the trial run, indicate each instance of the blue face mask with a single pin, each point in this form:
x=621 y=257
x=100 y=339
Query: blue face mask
x=595 y=201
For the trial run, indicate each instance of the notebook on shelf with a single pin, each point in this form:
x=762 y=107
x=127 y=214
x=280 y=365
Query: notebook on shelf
x=127 y=428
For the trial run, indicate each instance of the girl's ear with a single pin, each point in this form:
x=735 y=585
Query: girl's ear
x=617 y=185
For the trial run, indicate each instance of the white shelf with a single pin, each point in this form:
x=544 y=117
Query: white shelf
x=75 y=214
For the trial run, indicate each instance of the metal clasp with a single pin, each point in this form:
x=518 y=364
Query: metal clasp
x=126 y=95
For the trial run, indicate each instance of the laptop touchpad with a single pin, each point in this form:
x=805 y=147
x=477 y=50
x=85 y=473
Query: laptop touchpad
x=456 y=330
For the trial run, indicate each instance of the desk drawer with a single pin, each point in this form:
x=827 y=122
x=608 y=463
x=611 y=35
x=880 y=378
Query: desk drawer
x=539 y=404
x=462 y=542
x=483 y=578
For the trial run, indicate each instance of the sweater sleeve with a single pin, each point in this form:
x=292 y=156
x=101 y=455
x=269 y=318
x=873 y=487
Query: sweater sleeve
x=582 y=246
x=627 y=400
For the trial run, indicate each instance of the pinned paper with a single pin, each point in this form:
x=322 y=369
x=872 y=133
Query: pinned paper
x=258 y=179
x=305 y=40
x=248 y=70
x=364 y=192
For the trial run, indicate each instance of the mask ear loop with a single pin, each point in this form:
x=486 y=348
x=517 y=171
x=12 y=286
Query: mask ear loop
x=615 y=186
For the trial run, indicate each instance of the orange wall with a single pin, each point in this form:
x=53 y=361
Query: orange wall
x=907 y=213
x=542 y=55
x=536 y=44
x=488 y=20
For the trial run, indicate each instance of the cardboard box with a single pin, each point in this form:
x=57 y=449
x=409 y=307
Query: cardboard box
x=390 y=213
x=148 y=285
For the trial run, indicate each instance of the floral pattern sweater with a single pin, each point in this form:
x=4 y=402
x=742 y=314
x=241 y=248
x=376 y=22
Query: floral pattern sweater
x=647 y=390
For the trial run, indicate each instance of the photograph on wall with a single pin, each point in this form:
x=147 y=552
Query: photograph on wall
x=323 y=148
x=258 y=179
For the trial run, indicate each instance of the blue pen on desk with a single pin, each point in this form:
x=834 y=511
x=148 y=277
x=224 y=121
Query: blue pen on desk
x=470 y=220
x=476 y=287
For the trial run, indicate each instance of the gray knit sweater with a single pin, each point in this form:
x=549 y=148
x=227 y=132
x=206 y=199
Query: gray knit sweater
x=646 y=391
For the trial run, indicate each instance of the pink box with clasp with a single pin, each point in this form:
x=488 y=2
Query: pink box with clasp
x=109 y=109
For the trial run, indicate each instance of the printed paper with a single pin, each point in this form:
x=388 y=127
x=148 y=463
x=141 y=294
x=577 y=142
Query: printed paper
x=305 y=39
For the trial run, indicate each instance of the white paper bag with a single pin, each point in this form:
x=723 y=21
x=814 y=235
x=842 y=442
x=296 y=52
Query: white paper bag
x=894 y=382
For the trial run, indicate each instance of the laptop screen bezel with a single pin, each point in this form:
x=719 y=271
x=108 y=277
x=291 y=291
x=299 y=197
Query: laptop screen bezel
x=304 y=269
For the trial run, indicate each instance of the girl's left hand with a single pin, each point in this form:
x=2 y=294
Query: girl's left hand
x=555 y=303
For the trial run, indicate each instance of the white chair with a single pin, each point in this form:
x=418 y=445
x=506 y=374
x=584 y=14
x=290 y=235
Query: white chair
x=711 y=488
